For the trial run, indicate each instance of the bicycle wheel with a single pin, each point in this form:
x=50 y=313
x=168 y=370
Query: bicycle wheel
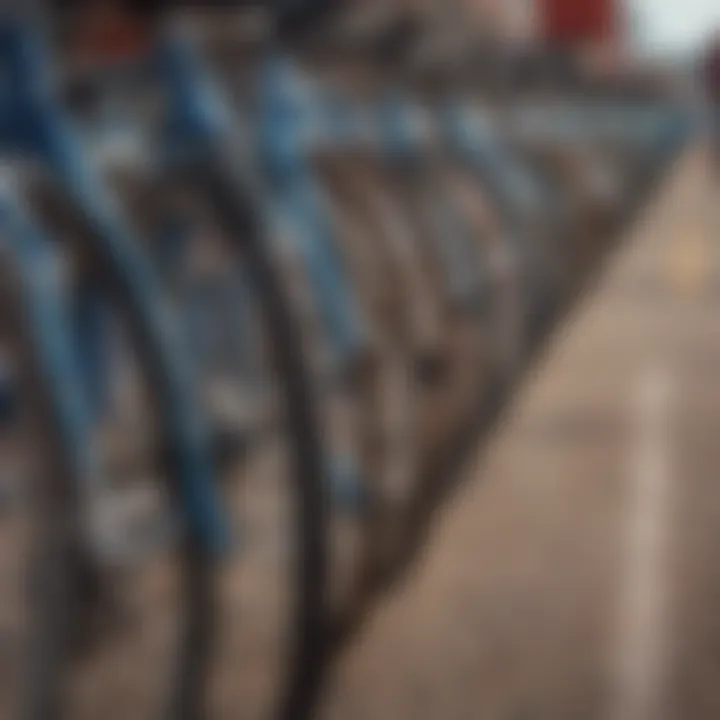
x=141 y=594
x=269 y=643
x=385 y=395
x=336 y=335
x=81 y=212
x=45 y=461
x=265 y=629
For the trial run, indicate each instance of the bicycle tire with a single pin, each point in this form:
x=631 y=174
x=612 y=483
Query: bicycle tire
x=36 y=325
x=226 y=193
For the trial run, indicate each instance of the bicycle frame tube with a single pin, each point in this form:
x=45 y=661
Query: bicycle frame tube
x=288 y=118
x=199 y=126
x=409 y=139
x=201 y=118
x=48 y=327
x=469 y=136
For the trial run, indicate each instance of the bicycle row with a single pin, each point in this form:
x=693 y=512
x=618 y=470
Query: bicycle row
x=259 y=289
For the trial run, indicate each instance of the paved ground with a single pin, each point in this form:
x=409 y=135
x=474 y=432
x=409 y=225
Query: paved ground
x=576 y=576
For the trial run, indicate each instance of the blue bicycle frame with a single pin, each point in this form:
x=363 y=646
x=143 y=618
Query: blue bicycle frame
x=36 y=127
x=201 y=123
x=409 y=138
x=288 y=122
x=48 y=328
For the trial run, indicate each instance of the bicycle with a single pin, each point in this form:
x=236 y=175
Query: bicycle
x=190 y=154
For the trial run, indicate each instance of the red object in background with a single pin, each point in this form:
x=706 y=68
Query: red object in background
x=116 y=43
x=108 y=33
x=578 y=22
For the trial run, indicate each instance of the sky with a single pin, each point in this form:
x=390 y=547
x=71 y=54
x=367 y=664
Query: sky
x=674 y=26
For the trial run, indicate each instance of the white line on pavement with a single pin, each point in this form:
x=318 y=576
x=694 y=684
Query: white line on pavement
x=642 y=642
